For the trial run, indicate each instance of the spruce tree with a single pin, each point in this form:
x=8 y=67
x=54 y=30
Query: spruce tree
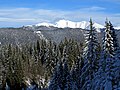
x=90 y=56
x=116 y=80
x=67 y=84
x=76 y=74
x=105 y=77
x=56 y=82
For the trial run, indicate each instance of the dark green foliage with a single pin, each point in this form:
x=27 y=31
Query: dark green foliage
x=35 y=61
x=76 y=74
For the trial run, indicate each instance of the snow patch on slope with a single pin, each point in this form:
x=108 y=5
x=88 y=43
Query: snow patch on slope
x=40 y=35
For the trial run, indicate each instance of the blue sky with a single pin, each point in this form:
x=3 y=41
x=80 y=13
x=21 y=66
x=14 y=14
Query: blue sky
x=17 y=13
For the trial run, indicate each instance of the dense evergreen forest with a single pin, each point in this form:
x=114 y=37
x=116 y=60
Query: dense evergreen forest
x=69 y=65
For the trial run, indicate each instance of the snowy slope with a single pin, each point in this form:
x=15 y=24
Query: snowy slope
x=117 y=28
x=45 y=24
x=98 y=27
x=70 y=24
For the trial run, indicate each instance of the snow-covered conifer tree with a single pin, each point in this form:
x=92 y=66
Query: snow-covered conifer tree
x=73 y=78
x=116 y=65
x=108 y=69
x=90 y=58
x=53 y=83
x=76 y=74
x=66 y=77
x=56 y=82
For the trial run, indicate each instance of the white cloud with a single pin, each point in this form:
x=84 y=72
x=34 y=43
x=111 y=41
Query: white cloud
x=23 y=16
x=94 y=8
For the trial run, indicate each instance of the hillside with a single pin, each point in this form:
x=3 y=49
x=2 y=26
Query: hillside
x=30 y=35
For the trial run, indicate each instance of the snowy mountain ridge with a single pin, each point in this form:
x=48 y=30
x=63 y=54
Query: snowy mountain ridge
x=70 y=24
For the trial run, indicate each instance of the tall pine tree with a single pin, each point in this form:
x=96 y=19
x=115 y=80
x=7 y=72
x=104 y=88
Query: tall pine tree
x=90 y=58
x=56 y=82
x=105 y=77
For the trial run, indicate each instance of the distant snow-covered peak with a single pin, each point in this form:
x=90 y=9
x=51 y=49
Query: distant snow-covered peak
x=67 y=23
x=45 y=24
x=71 y=24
